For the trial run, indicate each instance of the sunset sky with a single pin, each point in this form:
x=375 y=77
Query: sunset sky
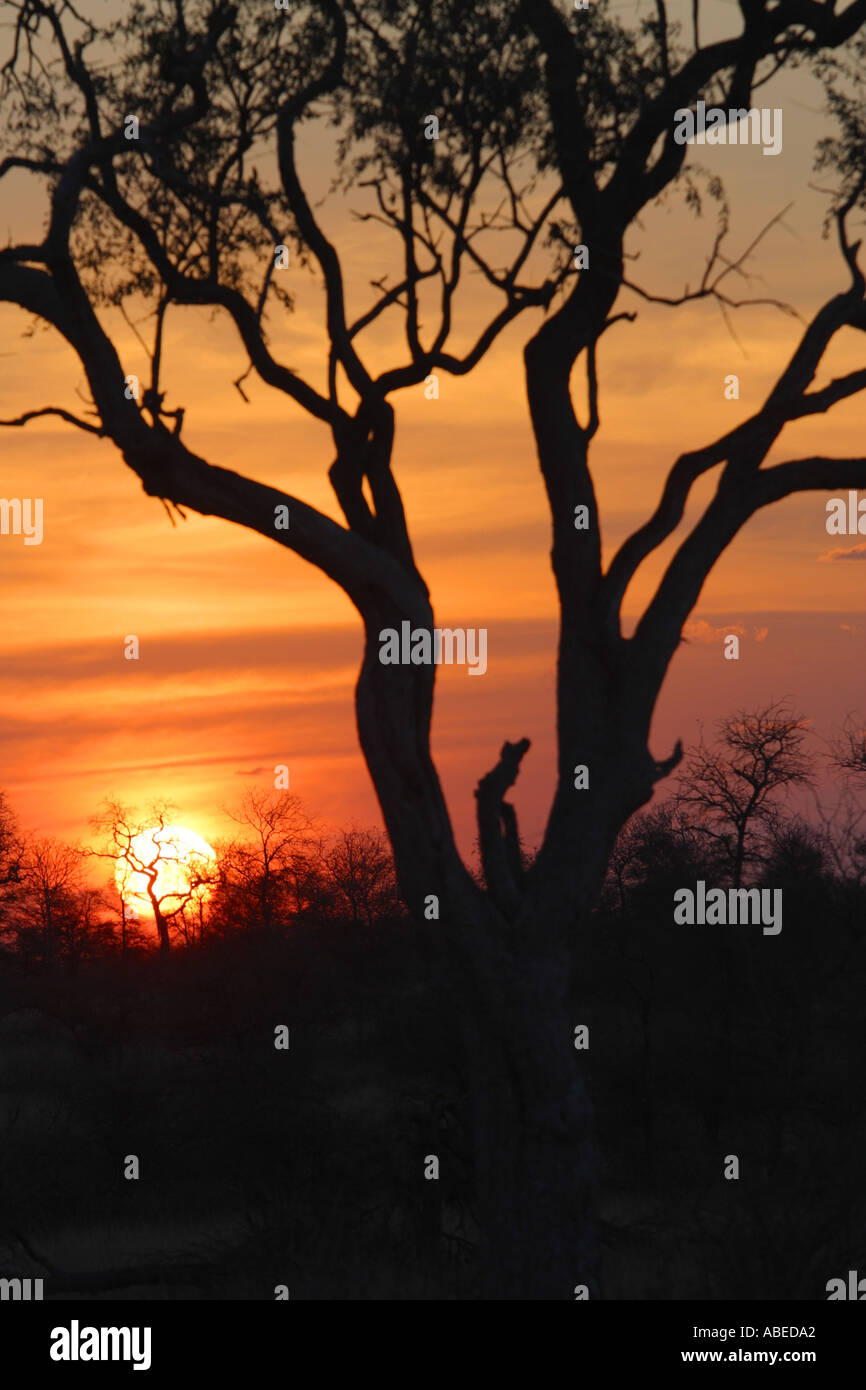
x=249 y=656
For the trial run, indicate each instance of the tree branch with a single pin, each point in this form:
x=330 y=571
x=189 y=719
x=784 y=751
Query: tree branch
x=497 y=828
x=746 y=446
x=55 y=410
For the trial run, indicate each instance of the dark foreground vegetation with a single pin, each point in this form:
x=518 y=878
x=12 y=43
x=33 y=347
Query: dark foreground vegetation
x=305 y=1166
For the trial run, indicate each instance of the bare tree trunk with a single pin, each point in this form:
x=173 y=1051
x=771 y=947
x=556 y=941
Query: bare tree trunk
x=739 y=855
x=536 y=1161
x=161 y=926
x=534 y=1150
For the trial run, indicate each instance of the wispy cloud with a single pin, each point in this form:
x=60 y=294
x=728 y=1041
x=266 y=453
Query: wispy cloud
x=856 y=552
x=700 y=631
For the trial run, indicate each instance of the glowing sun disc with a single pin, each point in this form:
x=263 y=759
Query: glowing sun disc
x=181 y=859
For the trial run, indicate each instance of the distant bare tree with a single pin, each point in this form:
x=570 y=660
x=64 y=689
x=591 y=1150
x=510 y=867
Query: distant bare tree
x=145 y=848
x=842 y=817
x=272 y=859
x=357 y=875
x=10 y=841
x=57 y=914
x=848 y=750
x=732 y=788
x=659 y=840
x=52 y=874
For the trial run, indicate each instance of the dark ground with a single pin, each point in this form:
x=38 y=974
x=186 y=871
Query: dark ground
x=305 y=1168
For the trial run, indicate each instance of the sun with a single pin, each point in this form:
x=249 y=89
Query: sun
x=183 y=862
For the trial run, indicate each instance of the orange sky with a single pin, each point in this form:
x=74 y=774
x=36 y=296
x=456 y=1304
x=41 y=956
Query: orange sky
x=249 y=656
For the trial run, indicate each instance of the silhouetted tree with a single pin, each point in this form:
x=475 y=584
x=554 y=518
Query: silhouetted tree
x=658 y=844
x=357 y=877
x=554 y=131
x=272 y=862
x=11 y=850
x=849 y=749
x=146 y=850
x=843 y=819
x=733 y=787
x=52 y=876
x=57 y=915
